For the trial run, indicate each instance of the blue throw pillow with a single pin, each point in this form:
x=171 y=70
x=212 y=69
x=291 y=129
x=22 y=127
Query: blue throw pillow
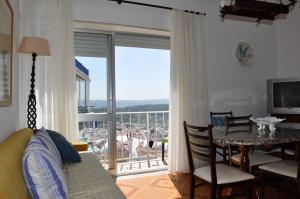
x=44 y=137
x=43 y=175
x=67 y=152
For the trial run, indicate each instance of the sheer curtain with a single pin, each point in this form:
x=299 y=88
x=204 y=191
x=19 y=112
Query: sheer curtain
x=55 y=75
x=188 y=100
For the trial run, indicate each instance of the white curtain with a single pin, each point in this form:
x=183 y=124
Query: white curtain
x=188 y=99
x=55 y=75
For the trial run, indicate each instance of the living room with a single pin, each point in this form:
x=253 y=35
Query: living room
x=230 y=85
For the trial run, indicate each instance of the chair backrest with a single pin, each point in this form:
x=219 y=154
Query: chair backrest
x=199 y=142
x=238 y=123
x=218 y=118
x=298 y=171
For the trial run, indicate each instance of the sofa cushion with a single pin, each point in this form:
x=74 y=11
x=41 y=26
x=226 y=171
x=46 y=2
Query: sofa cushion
x=12 y=183
x=67 y=152
x=43 y=175
x=89 y=180
x=44 y=137
x=80 y=145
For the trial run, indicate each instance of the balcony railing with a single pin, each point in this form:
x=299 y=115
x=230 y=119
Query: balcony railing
x=140 y=136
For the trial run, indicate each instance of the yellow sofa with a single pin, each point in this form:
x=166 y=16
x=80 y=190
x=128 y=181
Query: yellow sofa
x=87 y=179
x=12 y=182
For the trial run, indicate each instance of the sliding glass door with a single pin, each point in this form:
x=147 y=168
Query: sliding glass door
x=95 y=94
x=142 y=67
x=124 y=116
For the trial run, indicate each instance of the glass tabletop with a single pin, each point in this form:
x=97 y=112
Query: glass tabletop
x=284 y=133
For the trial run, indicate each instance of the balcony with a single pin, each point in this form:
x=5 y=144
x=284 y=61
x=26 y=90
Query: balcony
x=141 y=139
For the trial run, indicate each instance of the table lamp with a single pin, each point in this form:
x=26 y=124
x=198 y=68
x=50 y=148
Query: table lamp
x=34 y=46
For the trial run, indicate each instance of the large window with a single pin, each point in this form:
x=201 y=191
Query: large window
x=128 y=88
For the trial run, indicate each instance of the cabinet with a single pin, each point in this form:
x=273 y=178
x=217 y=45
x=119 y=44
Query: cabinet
x=290 y=118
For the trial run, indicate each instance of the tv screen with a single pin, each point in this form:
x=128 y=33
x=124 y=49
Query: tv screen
x=286 y=94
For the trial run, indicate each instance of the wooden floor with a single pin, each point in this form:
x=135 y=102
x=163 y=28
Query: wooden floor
x=172 y=186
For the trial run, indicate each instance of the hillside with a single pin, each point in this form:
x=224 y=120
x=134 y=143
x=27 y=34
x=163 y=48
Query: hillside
x=129 y=103
x=138 y=108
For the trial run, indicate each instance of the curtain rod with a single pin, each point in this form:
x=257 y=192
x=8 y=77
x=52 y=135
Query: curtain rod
x=155 y=6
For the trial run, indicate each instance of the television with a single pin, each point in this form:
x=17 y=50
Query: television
x=283 y=95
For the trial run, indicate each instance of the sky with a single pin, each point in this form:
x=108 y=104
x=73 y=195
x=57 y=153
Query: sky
x=141 y=74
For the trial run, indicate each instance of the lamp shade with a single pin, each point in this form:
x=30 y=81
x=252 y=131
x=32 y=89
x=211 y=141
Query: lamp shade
x=34 y=45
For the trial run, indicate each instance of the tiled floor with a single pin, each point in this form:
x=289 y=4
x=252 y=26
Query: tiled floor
x=141 y=166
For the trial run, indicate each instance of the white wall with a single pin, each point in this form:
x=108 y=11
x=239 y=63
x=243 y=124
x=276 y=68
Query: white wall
x=231 y=86
x=288 y=39
x=9 y=115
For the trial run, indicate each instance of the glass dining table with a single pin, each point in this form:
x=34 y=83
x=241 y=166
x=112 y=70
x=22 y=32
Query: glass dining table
x=284 y=133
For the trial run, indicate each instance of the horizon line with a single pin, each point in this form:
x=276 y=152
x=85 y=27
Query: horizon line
x=134 y=99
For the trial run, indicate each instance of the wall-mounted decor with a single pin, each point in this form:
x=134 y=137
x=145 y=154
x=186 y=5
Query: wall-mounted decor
x=6 y=53
x=244 y=53
x=256 y=9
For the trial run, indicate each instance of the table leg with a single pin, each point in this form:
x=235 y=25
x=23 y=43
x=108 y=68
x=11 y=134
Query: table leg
x=297 y=155
x=297 y=151
x=244 y=166
x=244 y=159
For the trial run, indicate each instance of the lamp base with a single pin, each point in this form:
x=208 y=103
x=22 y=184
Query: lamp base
x=31 y=104
x=31 y=112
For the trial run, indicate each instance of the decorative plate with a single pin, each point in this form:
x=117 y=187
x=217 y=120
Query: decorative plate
x=244 y=53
